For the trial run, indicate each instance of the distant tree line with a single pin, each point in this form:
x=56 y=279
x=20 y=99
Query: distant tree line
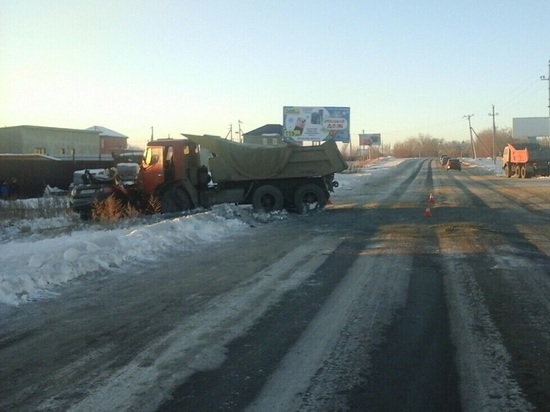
x=425 y=145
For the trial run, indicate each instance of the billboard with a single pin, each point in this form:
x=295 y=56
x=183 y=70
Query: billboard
x=316 y=123
x=369 y=139
x=530 y=127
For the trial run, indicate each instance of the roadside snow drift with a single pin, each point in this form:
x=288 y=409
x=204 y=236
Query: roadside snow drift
x=29 y=268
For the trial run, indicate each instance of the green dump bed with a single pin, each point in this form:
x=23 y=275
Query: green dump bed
x=241 y=161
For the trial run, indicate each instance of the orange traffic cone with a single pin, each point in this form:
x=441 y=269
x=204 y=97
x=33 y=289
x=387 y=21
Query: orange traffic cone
x=432 y=198
x=427 y=212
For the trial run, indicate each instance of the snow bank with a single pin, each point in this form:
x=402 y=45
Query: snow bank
x=30 y=268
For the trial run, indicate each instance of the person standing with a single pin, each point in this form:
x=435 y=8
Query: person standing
x=4 y=190
x=13 y=189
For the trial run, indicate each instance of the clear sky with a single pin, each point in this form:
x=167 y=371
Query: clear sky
x=403 y=67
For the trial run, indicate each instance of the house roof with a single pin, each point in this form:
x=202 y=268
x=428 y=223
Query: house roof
x=266 y=129
x=103 y=131
x=26 y=126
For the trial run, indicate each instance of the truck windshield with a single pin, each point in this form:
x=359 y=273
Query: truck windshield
x=151 y=156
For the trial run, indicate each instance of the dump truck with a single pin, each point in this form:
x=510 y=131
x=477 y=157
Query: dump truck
x=525 y=160
x=205 y=170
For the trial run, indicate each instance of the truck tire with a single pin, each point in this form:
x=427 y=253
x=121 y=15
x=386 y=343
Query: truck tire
x=309 y=198
x=522 y=172
x=529 y=171
x=507 y=171
x=174 y=200
x=267 y=198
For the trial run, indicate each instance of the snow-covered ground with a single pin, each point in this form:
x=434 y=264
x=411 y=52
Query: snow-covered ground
x=37 y=254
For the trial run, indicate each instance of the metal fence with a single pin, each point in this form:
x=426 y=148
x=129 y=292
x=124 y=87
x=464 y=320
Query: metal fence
x=34 y=175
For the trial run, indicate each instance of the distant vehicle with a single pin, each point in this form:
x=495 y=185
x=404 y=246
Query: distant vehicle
x=454 y=164
x=526 y=160
x=444 y=159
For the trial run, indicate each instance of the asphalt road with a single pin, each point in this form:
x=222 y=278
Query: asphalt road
x=368 y=305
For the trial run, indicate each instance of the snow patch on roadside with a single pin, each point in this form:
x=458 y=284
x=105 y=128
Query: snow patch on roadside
x=31 y=268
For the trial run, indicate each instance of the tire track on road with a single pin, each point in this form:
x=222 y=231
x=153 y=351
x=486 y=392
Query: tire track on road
x=406 y=184
x=249 y=360
x=417 y=352
x=500 y=291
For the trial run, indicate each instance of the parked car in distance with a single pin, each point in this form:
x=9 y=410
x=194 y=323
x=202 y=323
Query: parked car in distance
x=454 y=164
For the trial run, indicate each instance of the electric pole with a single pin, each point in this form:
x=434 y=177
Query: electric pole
x=494 y=133
x=240 y=133
x=469 y=116
x=548 y=80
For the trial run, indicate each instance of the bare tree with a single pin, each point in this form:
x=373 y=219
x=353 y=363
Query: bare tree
x=423 y=145
x=484 y=141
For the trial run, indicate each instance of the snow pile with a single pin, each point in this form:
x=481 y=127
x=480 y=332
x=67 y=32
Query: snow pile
x=380 y=167
x=485 y=163
x=31 y=266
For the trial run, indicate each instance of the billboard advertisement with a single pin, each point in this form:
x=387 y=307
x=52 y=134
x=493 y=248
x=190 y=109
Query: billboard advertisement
x=316 y=123
x=530 y=127
x=369 y=139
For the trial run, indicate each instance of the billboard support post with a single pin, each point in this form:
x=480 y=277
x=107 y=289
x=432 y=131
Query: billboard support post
x=548 y=80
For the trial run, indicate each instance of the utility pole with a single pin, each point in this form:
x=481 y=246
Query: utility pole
x=548 y=80
x=469 y=116
x=360 y=146
x=230 y=132
x=494 y=133
x=240 y=133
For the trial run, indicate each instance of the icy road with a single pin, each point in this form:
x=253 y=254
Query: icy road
x=372 y=304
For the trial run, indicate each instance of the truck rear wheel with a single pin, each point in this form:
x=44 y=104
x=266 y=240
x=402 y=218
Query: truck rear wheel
x=175 y=200
x=522 y=172
x=309 y=198
x=267 y=198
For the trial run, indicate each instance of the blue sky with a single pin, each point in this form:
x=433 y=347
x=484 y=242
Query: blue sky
x=403 y=67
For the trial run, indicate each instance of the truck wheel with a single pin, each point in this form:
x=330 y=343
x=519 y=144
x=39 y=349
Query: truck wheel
x=175 y=200
x=507 y=171
x=522 y=172
x=267 y=198
x=309 y=198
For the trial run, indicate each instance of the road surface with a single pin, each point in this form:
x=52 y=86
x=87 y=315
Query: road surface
x=372 y=304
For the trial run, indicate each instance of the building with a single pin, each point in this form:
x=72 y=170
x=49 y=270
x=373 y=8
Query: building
x=51 y=141
x=269 y=134
x=95 y=142
x=112 y=142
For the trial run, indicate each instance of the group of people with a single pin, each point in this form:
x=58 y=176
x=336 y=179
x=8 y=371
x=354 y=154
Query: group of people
x=9 y=190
